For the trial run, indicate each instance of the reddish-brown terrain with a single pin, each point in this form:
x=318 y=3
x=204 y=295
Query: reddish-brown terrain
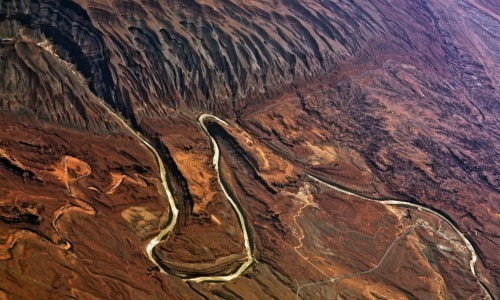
x=360 y=158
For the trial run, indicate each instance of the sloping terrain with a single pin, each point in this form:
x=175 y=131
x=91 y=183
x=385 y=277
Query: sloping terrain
x=356 y=155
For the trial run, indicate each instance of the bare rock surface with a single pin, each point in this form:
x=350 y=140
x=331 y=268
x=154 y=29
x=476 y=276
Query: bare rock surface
x=329 y=111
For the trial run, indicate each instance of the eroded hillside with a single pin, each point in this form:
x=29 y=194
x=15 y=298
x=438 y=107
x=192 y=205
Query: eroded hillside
x=333 y=115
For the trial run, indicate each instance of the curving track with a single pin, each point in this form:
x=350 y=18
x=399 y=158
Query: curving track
x=391 y=202
x=174 y=210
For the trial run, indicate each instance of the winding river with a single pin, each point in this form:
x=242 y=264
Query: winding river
x=241 y=219
x=174 y=211
x=391 y=202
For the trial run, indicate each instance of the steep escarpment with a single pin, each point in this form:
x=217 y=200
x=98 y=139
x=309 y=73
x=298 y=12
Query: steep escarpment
x=36 y=81
x=69 y=28
x=144 y=57
x=291 y=134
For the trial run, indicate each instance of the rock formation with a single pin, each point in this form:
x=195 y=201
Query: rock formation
x=334 y=109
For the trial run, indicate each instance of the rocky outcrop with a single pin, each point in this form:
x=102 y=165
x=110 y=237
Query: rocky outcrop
x=140 y=57
x=382 y=99
x=21 y=213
